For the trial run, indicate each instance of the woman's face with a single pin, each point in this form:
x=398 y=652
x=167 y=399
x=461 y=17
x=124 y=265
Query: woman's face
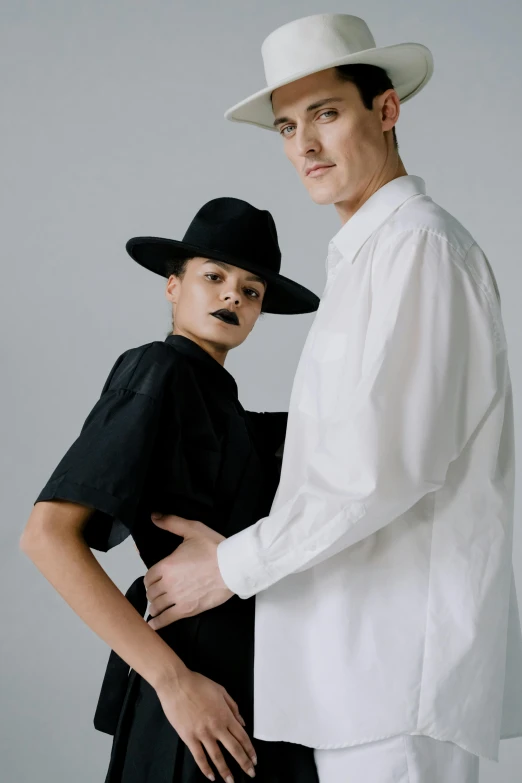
x=214 y=304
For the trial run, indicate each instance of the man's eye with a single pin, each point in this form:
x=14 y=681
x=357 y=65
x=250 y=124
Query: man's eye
x=286 y=128
x=329 y=111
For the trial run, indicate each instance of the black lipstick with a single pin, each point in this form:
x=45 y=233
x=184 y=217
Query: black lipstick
x=227 y=316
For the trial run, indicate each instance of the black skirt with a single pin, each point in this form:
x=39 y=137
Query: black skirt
x=147 y=749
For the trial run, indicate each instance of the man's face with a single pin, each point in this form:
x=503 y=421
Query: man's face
x=337 y=145
x=214 y=303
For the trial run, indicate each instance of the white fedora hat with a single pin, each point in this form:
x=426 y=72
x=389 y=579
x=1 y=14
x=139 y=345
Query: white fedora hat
x=316 y=43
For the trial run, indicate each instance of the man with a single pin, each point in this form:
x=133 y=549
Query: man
x=387 y=630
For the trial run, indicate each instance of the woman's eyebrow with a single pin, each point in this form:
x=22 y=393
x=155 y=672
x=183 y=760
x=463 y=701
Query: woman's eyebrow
x=256 y=279
x=312 y=107
x=222 y=264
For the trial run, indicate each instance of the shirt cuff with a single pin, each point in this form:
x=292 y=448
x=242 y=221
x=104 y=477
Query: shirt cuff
x=239 y=563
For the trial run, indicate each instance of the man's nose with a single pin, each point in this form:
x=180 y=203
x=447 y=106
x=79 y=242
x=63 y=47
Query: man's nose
x=307 y=142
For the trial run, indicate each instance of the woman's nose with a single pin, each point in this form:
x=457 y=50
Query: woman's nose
x=232 y=296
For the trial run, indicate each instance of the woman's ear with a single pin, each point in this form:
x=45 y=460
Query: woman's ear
x=172 y=289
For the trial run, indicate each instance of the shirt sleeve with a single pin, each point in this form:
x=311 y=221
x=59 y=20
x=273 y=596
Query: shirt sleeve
x=106 y=467
x=428 y=378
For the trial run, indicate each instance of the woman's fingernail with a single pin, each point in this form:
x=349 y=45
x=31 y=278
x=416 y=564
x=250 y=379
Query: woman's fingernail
x=251 y=772
x=254 y=760
x=211 y=777
x=229 y=779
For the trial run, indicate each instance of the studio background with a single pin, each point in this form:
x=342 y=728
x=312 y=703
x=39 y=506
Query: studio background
x=112 y=126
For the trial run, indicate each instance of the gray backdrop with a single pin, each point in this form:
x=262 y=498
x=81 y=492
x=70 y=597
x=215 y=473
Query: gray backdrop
x=112 y=126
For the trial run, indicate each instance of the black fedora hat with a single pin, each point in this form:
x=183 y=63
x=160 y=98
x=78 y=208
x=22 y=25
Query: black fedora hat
x=235 y=232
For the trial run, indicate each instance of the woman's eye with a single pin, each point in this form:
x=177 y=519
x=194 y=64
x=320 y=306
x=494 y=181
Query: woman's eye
x=251 y=293
x=212 y=276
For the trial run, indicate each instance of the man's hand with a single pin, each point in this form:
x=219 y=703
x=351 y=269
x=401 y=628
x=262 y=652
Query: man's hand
x=204 y=715
x=188 y=581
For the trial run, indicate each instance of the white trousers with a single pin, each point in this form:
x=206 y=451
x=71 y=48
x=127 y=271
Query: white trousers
x=402 y=759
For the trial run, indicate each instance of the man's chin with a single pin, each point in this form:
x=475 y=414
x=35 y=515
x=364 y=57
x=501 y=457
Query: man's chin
x=322 y=195
x=323 y=199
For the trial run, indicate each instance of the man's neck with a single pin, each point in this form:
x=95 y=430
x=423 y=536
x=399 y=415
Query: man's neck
x=347 y=209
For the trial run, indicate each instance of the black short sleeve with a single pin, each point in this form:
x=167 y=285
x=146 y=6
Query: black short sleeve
x=107 y=465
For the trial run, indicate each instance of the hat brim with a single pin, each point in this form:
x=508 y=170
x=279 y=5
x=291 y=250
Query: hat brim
x=282 y=296
x=409 y=66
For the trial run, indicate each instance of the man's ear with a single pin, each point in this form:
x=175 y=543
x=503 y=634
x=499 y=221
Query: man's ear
x=172 y=289
x=390 y=108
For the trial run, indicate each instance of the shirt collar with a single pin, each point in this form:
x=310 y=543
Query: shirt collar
x=370 y=216
x=220 y=376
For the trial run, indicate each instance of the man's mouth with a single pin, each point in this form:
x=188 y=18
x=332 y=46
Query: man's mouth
x=318 y=169
x=227 y=316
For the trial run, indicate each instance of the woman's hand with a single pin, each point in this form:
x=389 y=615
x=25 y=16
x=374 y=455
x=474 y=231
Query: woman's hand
x=203 y=714
x=201 y=711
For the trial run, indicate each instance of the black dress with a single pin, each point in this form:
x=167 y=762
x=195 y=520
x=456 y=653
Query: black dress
x=168 y=434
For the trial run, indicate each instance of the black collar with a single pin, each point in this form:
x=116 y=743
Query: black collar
x=194 y=351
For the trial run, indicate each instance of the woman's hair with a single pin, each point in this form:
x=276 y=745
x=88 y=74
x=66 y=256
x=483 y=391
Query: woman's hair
x=370 y=80
x=177 y=266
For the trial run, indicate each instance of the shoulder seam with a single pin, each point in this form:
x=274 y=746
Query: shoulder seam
x=127 y=384
x=145 y=350
x=493 y=302
x=432 y=232
x=132 y=391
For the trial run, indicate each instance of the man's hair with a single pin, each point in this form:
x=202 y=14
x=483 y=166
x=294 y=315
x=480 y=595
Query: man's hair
x=370 y=80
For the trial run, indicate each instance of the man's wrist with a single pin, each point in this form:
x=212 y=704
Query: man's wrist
x=239 y=564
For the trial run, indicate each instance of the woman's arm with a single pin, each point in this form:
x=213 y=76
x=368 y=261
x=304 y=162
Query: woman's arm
x=200 y=710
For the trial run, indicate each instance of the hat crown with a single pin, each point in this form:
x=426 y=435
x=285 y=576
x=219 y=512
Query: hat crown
x=307 y=44
x=232 y=226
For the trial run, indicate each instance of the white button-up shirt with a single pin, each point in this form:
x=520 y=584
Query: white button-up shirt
x=386 y=601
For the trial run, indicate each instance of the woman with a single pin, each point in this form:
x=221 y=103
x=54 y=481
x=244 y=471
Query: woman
x=169 y=435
